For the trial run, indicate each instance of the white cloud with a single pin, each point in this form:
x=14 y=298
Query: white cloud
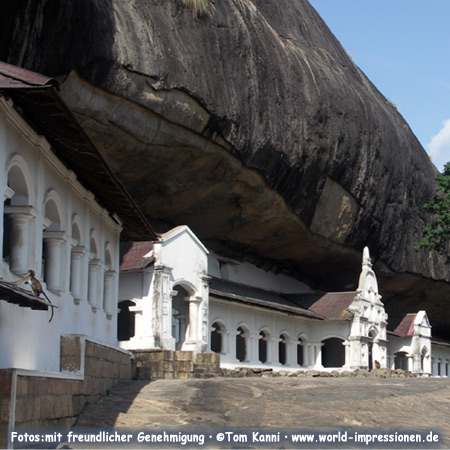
x=439 y=145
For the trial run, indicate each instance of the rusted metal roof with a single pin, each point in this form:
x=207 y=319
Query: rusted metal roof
x=37 y=99
x=16 y=77
x=329 y=305
x=132 y=255
x=401 y=324
x=12 y=293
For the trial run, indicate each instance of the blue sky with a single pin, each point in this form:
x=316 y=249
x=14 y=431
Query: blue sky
x=403 y=46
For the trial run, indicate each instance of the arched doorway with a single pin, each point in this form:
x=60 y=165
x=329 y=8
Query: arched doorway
x=333 y=352
x=401 y=361
x=126 y=321
x=370 y=349
x=423 y=355
x=180 y=315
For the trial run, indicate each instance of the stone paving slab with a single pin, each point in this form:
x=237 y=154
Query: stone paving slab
x=415 y=404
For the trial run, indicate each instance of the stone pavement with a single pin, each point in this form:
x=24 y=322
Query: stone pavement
x=415 y=404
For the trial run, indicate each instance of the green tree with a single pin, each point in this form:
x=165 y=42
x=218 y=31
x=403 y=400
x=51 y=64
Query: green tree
x=437 y=233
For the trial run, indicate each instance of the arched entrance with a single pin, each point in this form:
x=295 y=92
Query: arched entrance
x=180 y=316
x=370 y=349
x=126 y=321
x=401 y=361
x=333 y=352
x=423 y=355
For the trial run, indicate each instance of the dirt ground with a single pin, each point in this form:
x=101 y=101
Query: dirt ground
x=355 y=405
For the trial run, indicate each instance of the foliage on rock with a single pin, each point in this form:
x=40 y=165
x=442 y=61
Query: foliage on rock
x=198 y=7
x=437 y=233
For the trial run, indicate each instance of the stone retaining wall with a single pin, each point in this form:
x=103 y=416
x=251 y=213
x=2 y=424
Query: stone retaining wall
x=167 y=364
x=359 y=373
x=46 y=400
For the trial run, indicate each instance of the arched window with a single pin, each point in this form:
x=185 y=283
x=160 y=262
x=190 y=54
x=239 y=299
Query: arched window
x=109 y=277
x=333 y=352
x=300 y=358
x=52 y=244
x=216 y=338
x=241 y=344
x=18 y=184
x=262 y=346
x=282 y=349
x=94 y=268
x=18 y=214
x=7 y=226
x=77 y=255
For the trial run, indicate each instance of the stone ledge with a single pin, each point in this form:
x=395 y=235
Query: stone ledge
x=269 y=372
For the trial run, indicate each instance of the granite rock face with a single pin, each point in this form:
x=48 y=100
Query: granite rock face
x=251 y=125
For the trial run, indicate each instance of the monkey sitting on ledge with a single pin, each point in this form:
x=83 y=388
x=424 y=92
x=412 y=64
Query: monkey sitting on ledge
x=36 y=287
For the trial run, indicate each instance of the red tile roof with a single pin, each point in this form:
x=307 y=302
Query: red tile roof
x=132 y=255
x=401 y=324
x=329 y=305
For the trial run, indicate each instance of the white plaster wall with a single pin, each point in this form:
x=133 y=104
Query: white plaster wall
x=398 y=344
x=251 y=275
x=27 y=340
x=440 y=354
x=234 y=315
x=131 y=286
x=137 y=286
x=181 y=250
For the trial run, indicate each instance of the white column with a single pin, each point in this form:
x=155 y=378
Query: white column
x=93 y=288
x=232 y=357
x=20 y=217
x=318 y=353
x=275 y=360
x=225 y=341
x=305 y=347
x=53 y=242
x=108 y=293
x=409 y=363
x=248 y=348
x=194 y=304
x=291 y=352
x=253 y=340
x=204 y=335
x=77 y=257
x=347 y=353
x=311 y=355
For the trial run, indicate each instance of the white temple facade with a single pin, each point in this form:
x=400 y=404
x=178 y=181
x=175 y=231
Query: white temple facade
x=175 y=295
x=53 y=224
